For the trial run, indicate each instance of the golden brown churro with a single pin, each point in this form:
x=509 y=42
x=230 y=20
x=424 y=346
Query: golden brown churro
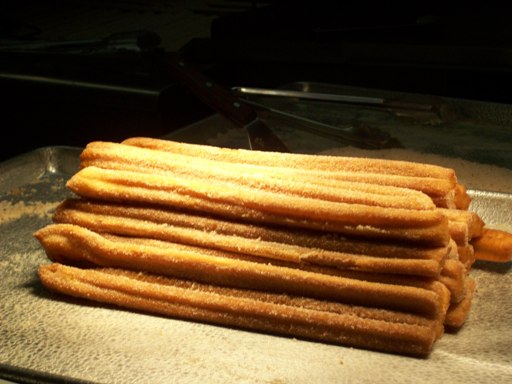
x=273 y=313
x=435 y=181
x=461 y=199
x=458 y=312
x=315 y=185
x=453 y=276
x=247 y=239
x=246 y=203
x=360 y=252
x=466 y=255
x=83 y=209
x=494 y=245
x=63 y=241
x=466 y=224
x=293 y=160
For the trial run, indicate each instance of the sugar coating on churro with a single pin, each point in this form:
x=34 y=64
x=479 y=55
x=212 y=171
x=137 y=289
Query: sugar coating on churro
x=271 y=243
x=274 y=313
x=282 y=234
x=493 y=245
x=354 y=251
x=438 y=182
x=237 y=201
x=67 y=241
x=323 y=185
x=394 y=167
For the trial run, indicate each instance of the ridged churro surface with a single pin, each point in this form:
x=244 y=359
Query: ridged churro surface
x=280 y=314
x=367 y=253
x=270 y=243
x=66 y=241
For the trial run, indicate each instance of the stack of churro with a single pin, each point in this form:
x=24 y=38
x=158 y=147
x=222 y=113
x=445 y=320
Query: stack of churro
x=367 y=253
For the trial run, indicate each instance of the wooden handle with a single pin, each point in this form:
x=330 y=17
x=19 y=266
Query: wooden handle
x=212 y=94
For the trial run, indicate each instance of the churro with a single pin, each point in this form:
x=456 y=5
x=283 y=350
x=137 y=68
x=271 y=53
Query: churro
x=361 y=252
x=315 y=162
x=272 y=243
x=67 y=241
x=73 y=208
x=461 y=199
x=458 y=313
x=280 y=314
x=467 y=255
x=438 y=182
x=210 y=233
x=247 y=203
x=453 y=276
x=459 y=232
x=494 y=245
x=317 y=185
x=463 y=225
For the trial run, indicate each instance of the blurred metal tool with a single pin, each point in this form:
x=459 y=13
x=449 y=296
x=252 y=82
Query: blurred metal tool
x=425 y=109
x=260 y=136
x=357 y=134
x=352 y=99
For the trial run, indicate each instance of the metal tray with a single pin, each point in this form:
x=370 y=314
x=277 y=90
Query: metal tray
x=46 y=337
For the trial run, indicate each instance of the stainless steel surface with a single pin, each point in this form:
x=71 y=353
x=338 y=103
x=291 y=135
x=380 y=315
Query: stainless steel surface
x=48 y=337
x=418 y=107
x=310 y=95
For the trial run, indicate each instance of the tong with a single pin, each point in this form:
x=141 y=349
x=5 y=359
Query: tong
x=423 y=109
x=432 y=106
x=357 y=134
x=224 y=101
x=246 y=113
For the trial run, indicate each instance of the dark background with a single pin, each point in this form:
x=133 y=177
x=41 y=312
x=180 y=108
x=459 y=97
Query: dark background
x=97 y=89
